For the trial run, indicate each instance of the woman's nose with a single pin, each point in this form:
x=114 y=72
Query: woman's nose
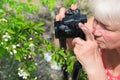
x=97 y=32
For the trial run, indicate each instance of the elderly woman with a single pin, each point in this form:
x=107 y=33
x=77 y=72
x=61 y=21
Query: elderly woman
x=99 y=54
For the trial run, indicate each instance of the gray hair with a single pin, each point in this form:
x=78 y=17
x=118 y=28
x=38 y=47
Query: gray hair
x=106 y=10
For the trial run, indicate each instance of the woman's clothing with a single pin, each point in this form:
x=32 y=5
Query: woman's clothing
x=109 y=75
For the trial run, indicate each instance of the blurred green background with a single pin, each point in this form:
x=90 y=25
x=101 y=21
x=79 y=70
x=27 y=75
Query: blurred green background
x=27 y=50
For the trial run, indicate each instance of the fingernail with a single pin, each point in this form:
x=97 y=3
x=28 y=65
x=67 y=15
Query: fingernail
x=80 y=24
x=73 y=7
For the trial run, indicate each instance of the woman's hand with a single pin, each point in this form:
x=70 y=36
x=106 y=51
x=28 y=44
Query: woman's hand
x=86 y=50
x=88 y=54
x=62 y=11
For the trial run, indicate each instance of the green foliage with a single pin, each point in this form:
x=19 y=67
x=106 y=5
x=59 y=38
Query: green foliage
x=83 y=75
x=49 y=3
x=63 y=57
x=21 y=40
x=67 y=3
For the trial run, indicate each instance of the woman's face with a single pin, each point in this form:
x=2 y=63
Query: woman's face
x=106 y=35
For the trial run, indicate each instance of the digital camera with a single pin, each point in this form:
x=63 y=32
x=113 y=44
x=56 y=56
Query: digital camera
x=68 y=27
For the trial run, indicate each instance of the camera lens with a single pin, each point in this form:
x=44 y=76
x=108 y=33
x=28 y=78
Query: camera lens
x=76 y=11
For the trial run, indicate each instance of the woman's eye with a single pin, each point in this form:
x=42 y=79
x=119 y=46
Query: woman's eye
x=103 y=26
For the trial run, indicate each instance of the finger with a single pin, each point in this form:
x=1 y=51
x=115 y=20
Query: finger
x=62 y=13
x=77 y=41
x=88 y=34
x=57 y=17
x=73 y=7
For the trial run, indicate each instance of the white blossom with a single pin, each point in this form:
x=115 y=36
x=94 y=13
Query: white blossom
x=47 y=57
x=6 y=39
x=19 y=68
x=14 y=46
x=14 y=51
x=36 y=64
x=1 y=10
x=30 y=38
x=18 y=45
x=32 y=48
x=31 y=45
x=35 y=32
x=11 y=53
x=35 y=78
x=22 y=73
x=55 y=66
x=6 y=36
x=1 y=43
x=7 y=47
x=3 y=19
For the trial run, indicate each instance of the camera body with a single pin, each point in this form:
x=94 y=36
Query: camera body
x=68 y=27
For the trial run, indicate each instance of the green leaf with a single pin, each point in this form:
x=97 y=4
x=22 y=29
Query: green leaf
x=17 y=56
x=32 y=68
x=70 y=67
x=4 y=53
x=40 y=24
x=52 y=3
x=62 y=53
x=33 y=53
x=53 y=57
x=29 y=0
x=10 y=31
x=44 y=2
x=22 y=37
